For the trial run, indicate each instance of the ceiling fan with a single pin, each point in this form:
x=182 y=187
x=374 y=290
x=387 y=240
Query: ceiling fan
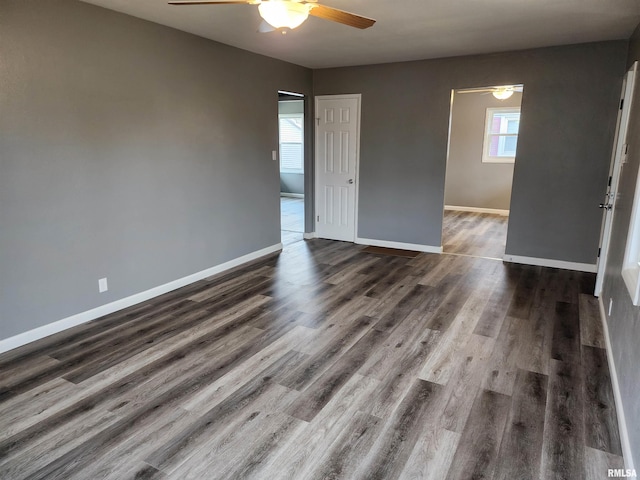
x=282 y=14
x=501 y=92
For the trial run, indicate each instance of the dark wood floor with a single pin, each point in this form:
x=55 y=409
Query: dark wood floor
x=473 y=233
x=324 y=362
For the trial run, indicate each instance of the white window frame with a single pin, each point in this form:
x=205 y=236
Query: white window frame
x=631 y=264
x=301 y=117
x=486 y=143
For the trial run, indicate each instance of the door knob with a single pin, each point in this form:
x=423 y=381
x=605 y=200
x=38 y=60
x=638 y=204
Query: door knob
x=350 y=181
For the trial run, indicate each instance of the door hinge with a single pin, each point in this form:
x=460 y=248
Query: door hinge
x=318 y=121
x=626 y=148
x=621 y=103
x=599 y=251
x=318 y=218
x=609 y=184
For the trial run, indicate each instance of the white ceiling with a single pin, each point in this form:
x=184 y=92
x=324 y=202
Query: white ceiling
x=405 y=29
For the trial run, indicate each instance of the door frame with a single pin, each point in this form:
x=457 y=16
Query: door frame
x=305 y=140
x=615 y=168
x=316 y=163
x=455 y=93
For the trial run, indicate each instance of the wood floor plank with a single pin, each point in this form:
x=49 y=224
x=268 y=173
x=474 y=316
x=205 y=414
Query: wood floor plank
x=521 y=446
x=393 y=447
x=343 y=456
x=119 y=381
x=477 y=452
x=308 y=370
x=597 y=463
x=442 y=362
x=502 y=368
x=563 y=441
x=400 y=373
x=520 y=306
x=116 y=462
x=300 y=454
x=384 y=305
x=600 y=420
x=465 y=382
x=230 y=382
x=171 y=454
x=31 y=366
x=402 y=309
x=591 y=332
x=257 y=426
x=407 y=340
x=264 y=447
x=21 y=462
x=47 y=344
x=198 y=365
x=493 y=315
x=318 y=394
x=141 y=472
x=566 y=333
x=432 y=456
x=35 y=405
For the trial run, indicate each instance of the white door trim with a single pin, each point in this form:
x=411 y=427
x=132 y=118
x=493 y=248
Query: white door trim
x=358 y=98
x=615 y=169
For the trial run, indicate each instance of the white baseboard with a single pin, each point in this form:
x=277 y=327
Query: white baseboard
x=309 y=235
x=477 y=209
x=399 y=245
x=627 y=453
x=83 y=317
x=292 y=195
x=547 y=262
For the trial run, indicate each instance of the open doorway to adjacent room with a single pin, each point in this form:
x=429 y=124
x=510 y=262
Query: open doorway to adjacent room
x=291 y=154
x=483 y=138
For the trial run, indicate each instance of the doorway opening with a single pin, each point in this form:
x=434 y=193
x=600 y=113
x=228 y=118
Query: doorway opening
x=291 y=146
x=483 y=137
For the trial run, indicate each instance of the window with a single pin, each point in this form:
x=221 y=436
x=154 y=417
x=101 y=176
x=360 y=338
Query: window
x=501 y=135
x=631 y=263
x=291 y=142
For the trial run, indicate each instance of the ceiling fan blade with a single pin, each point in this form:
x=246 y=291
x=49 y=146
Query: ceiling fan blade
x=340 y=16
x=265 y=27
x=204 y=2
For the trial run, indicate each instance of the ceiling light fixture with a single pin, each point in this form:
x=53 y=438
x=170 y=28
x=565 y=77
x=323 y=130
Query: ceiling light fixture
x=284 y=13
x=503 y=93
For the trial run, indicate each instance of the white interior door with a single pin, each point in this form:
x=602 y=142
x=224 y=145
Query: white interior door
x=617 y=159
x=336 y=159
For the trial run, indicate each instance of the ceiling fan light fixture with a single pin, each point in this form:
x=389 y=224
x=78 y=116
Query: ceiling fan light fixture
x=283 y=13
x=503 y=93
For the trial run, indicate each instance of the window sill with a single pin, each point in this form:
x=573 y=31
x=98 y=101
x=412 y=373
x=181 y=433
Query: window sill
x=631 y=277
x=510 y=160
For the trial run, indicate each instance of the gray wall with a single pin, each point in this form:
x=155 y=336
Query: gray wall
x=291 y=182
x=624 y=322
x=469 y=182
x=126 y=151
x=568 y=118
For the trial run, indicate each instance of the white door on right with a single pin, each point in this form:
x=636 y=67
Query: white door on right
x=337 y=150
x=617 y=159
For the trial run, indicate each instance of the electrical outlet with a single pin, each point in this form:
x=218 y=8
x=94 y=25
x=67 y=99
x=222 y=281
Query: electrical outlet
x=274 y=155
x=610 y=306
x=102 y=285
